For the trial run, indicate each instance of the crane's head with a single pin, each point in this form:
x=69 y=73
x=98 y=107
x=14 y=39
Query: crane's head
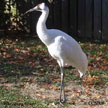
x=40 y=7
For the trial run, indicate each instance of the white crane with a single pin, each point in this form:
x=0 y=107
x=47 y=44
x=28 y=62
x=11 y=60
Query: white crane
x=61 y=46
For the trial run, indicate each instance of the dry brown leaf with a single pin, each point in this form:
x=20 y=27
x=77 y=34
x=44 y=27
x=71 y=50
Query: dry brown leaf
x=8 y=55
x=73 y=101
x=87 y=91
x=2 y=78
x=66 y=90
x=39 y=46
x=89 y=107
x=20 y=100
x=57 y=79
x=39 y=95
x=97 y=96
x=45 y=86
x=42 y=69
x=91 y=80
x=17 y=50
x=77 y=94
x=54 y=87
x=22 y=43
x=22 y=86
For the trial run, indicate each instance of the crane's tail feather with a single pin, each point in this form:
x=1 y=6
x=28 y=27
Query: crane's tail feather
x=81 y=74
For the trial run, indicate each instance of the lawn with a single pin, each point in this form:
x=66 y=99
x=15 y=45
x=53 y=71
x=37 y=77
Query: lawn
x=30 y=78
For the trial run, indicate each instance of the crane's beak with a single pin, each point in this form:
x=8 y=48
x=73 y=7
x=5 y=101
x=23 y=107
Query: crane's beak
x=29 y=11
x=36 y=8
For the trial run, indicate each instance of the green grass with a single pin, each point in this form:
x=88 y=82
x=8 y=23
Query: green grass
x=13 y=99
x=23 y=60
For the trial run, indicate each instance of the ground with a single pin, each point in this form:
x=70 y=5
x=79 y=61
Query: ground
x=30 y=77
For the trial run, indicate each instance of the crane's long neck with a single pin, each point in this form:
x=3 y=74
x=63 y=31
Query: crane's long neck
x=42 y=21
x=41 y=27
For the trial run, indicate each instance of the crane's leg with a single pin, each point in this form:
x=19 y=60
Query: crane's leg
x=62 y=86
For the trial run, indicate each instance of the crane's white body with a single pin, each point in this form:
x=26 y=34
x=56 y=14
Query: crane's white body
x=61 y=46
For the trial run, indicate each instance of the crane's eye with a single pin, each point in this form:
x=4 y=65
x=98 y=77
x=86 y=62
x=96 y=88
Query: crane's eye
x=42 y=6
x=38 y=7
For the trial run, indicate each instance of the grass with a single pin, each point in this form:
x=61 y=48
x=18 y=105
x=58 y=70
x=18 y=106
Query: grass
x=12 y=99
x=27 y=61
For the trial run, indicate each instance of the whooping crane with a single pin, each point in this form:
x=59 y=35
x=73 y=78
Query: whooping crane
x=61 y=46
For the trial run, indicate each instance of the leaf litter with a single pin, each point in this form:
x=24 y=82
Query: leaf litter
x=90 y=93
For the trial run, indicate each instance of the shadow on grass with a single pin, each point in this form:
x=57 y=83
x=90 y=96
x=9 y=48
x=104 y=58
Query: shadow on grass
x=20 y=58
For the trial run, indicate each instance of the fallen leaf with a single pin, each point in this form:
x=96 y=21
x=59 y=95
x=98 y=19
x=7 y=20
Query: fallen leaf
x=39 y=46
x=66 y=90
x=22 y=43
x=78 y=94
x=45 y=86
x=57 y=79
x=97 y=96
x=73 y=101
x=20 y=100
x=16 y=50
x=39 y=95
x=3 y=80
x=22 y=86
x=89 y=107
x=42 y=69
x=54 y=87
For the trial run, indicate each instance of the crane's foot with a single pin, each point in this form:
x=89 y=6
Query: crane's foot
x=83 y=77
x=61 y=102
